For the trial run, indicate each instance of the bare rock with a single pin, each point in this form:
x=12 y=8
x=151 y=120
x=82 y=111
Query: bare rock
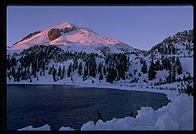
x=54 y=33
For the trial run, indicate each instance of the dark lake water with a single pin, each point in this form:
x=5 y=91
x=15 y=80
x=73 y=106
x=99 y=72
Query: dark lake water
x=70 y=106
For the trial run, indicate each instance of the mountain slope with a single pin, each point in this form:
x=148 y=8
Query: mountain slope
x=73 y=38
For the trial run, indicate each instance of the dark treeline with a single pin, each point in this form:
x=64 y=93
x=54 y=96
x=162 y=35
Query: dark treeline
x=39 y=60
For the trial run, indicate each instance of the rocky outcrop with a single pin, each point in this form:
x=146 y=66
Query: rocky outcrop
x=54 y=33
x=69 y=29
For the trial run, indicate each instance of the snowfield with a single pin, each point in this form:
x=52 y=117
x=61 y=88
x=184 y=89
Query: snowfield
x=177 y=115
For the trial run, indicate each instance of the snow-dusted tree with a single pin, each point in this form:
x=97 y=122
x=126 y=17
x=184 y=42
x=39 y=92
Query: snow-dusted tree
x=179 y=66
x=151 y=72
x=100 y=66
x=80 y=69
x=63 y=72
x=144 y=67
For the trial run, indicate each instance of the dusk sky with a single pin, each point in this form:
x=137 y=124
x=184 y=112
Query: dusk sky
x=139 y=26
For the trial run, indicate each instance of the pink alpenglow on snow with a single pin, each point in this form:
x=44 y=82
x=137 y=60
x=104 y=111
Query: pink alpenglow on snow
x=74 y=35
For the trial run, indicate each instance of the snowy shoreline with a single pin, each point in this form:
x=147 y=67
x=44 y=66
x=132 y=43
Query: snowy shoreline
x=171 y=95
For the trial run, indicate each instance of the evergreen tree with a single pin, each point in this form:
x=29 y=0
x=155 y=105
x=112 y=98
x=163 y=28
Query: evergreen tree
x=69 y=70
x=13 y=61
x=63 y=73
x=13 y=72
x=59 y=71
x=151 y=72
x=104 y=70
x=85 y=74
x=121 y=71
x=100 y=76
x=30 y=79
x=75 y=65
x=80 y=69
x=92 y=65
x=144 y=67
x=179 y=67
x=157 y=65
x=100 y=68
x=54 y=74
x=112 y=74
x=173 y=77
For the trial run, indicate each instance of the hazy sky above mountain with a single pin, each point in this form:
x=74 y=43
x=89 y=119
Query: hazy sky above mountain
x=139 y=26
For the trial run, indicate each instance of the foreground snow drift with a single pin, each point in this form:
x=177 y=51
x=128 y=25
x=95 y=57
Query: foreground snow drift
x=177 y=115
x=30 y=128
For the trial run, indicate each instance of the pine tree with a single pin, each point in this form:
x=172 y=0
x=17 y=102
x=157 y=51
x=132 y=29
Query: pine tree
x=151 y=72
x=179 y=67
x=157 y=65
x=54 y=74
x=92 y=66
x=13 y=72
x=144 y=67
x=59 y=71
x=173 y=77
x=63 y=73
x=100 y=76
x=112 y=74
x=30 y=79
x=85 y=74
x=100 y=68
x=75 y=65
x=104 y=70
x=80 y=69
x=69 y=70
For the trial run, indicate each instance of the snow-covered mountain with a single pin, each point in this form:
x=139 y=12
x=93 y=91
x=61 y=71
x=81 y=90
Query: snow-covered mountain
x=73 y=38
x=68 y=54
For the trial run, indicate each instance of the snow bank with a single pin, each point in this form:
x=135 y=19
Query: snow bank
x=177 y=115
x=66 y=129
x=30 y=128
x=187 y=65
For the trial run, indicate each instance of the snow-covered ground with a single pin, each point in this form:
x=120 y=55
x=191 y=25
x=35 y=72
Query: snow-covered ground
x=177 y=115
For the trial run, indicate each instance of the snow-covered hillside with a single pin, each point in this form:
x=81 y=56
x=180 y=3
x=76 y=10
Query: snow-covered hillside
x=73 y=38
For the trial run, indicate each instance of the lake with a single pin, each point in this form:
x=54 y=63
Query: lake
x=58 y=105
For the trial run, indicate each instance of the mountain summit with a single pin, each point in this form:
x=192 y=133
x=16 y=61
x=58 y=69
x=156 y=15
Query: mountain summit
x=73 y=38
x=64 y=34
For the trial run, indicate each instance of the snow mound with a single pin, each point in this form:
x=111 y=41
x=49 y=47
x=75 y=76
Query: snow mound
x=30 y=128
x=66 y=129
